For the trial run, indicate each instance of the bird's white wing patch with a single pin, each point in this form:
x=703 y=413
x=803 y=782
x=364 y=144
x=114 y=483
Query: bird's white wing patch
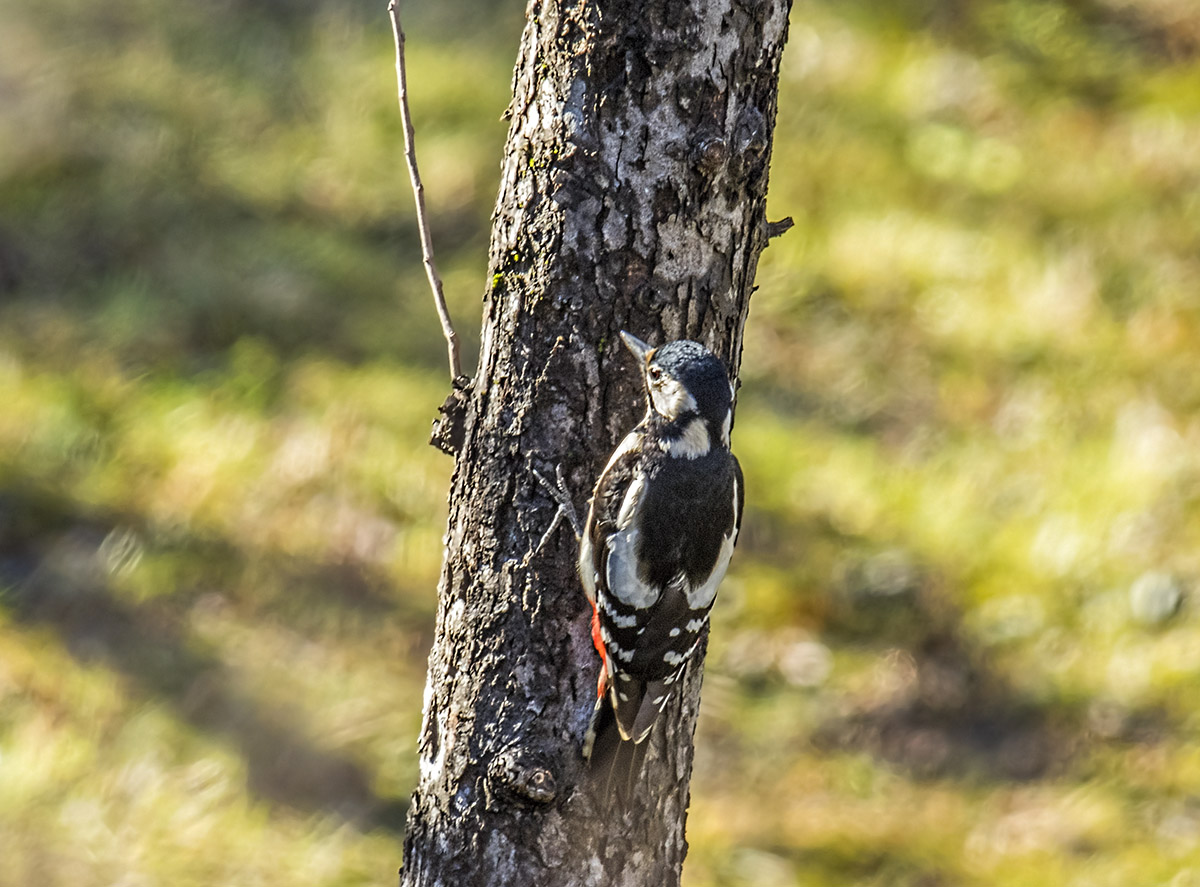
x=737 y=515
x=623 y=581
x=631 y=502
x=630 y=441
x=587 y=566
x=622 y=574
x=702 y=595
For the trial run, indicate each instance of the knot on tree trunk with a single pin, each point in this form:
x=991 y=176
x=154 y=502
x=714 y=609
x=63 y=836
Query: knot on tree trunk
x=517 y=776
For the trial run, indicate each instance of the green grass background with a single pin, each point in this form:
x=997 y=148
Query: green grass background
x=960 y=643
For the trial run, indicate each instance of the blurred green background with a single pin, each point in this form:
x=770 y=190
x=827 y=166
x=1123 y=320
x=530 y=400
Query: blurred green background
x=960 y=644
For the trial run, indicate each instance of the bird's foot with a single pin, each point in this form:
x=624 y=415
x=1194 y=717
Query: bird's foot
x=566 y=508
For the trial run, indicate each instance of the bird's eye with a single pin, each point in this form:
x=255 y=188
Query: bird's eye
x=656 y=373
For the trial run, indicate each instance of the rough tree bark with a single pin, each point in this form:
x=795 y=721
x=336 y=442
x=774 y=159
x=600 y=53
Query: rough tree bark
x=632 y=197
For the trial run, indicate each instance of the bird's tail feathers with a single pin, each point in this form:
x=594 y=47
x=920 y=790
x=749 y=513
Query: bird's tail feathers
x=614 y=762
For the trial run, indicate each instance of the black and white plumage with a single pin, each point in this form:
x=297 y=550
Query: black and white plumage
x=660 y=530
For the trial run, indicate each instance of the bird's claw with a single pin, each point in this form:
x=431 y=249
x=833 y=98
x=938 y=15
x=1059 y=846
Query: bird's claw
x=566 y=508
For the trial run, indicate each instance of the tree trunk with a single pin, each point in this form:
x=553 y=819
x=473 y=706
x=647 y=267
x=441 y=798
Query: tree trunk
x=632 y=197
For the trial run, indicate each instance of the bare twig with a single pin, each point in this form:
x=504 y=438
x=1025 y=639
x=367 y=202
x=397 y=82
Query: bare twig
x=410 y=154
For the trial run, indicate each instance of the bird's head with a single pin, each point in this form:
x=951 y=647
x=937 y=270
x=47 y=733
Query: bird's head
x=685 y=380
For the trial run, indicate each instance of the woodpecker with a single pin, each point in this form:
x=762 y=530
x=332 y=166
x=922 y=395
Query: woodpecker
x=661 y=526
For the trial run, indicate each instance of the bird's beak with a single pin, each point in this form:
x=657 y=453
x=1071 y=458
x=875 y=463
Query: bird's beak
x=639 y=348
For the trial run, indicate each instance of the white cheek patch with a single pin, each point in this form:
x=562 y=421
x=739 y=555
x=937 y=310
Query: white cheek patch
x=671 y=399
x=693 y=443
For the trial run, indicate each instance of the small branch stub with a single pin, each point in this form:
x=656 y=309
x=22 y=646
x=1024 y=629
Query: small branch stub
x=410 y=154
x=451 y=425
x=774 y=229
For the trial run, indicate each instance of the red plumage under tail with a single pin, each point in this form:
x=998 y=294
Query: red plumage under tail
x=613 y=761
